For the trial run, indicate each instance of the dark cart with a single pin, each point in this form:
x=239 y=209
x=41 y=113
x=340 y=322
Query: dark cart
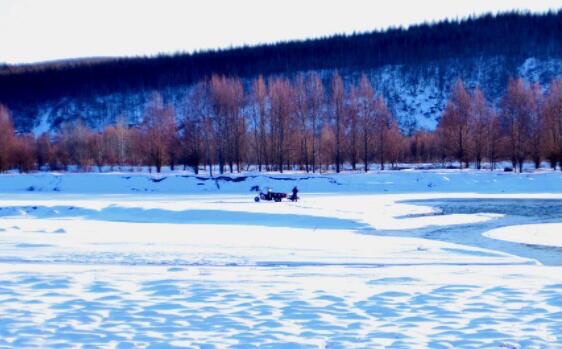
x=270 y=196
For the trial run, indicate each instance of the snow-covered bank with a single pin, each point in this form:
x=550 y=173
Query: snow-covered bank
x=534 y=234
x=411 y=181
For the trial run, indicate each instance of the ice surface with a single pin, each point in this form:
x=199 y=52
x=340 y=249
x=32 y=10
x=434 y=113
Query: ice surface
x=534 y=234
x=194 y=268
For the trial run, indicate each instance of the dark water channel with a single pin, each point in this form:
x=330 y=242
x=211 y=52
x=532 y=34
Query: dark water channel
x=515 y=211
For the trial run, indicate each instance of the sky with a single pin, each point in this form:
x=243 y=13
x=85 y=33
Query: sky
x=44 y=30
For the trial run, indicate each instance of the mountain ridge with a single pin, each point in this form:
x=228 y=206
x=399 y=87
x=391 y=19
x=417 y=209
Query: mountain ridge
x=413 y=68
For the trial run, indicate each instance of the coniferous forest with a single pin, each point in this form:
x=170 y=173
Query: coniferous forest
x=512 y=34
x=268 y=108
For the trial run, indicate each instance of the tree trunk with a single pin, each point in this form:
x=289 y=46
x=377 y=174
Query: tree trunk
x=306 y=155
x=314 y=144
x=366 y=153
x=338 y=150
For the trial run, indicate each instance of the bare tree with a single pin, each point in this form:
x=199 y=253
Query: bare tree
x=122 y=139
x=281 y=104
x=114 y=142
x=6 y=138
x=535 y=125
x=158 y=130
x=23 y=157
x=366 y=109
x=193 y=136
x=352 y=127
x=552 y=116
x=516 y=109
x=302 y=112
x=237 y=122
x=200 y=134
x=316 y=98
x=218 y=96
x=479 y=125
x=396 y=147
x=139 y=148
x=258 y=112
x=384 y=123
x=227 y=96
x=454 y=124
x=424 y=146
x=43 y=151
x=493 y=139
x=74 y=145
x=337 y=113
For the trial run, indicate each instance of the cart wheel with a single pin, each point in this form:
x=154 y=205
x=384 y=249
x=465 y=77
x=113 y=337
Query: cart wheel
x=257 y=199
x=277 y=199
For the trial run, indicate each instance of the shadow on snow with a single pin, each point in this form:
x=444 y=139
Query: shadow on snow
x=191 y=216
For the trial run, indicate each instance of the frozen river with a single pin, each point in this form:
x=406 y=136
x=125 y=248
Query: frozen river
x=331 y=271
x=513 y=211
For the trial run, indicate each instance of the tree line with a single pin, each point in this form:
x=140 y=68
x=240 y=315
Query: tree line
x=512 y=35
x=527 y=125
x=279 y=124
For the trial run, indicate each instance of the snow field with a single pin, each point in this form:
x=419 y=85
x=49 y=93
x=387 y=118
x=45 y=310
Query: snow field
x=534 y=234
x=210 y=268
x=316 y=307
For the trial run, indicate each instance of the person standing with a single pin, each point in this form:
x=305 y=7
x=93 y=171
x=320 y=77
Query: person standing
x=294 y=197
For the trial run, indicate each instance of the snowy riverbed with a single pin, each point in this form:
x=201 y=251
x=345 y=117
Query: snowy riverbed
x=141 y=265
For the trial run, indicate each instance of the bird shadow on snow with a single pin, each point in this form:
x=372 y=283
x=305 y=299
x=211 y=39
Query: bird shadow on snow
x=191 y=216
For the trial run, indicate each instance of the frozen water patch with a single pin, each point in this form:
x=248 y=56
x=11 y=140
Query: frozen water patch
x=509 y=212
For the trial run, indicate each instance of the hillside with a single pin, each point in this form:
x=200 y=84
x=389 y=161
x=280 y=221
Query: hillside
x=414 y=68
